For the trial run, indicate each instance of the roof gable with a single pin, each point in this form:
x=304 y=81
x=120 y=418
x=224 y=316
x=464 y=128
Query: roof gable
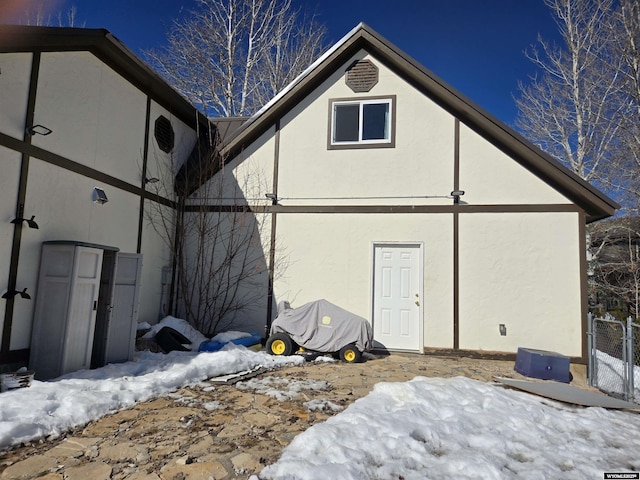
x=596 y=204
x=110 y=50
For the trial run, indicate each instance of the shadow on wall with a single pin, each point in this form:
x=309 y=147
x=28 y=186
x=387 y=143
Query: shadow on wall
x=222 y=243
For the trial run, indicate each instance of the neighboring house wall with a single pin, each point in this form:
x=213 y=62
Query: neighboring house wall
x=100 y=122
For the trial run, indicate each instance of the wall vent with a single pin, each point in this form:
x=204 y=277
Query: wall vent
x=164 y=134
x=362 y=76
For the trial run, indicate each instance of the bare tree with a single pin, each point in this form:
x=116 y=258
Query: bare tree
x=617 y=273
x=229 y=57
x=572 y=109
x=624 y=29
x=584 y=109
x=39 y=13
x=217 y=233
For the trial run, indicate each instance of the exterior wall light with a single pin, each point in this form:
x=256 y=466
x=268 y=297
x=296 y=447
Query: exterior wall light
x=30 y=221
x=12 y=293
x=456 y=194
x=99 y=196
x=39 y=130
x=272 y=197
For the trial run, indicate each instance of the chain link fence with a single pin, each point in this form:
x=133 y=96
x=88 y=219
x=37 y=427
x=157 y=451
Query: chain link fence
x=614 y=357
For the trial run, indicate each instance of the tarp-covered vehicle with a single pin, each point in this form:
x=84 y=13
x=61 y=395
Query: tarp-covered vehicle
x=320 y=326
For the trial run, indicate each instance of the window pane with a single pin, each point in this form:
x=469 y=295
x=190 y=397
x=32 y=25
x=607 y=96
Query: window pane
x=375 y=122
x=345 y=123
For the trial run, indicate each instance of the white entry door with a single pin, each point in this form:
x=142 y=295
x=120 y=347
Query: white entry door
x=397 y=302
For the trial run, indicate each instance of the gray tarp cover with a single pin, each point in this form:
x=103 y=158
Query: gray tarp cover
x=324 y=327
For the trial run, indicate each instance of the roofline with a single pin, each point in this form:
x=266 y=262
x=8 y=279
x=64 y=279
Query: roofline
x=596 y=204
x=104 y=45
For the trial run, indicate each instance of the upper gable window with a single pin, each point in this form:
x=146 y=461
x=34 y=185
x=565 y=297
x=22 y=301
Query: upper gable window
x=362 y=123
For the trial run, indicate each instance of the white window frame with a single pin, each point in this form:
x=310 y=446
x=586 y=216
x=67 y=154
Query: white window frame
x=360 y=143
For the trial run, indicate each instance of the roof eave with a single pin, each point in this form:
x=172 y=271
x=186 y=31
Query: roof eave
x=104 y=45
x=595 y=203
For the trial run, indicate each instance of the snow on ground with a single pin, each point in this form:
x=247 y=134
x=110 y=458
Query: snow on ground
x=425 y=428
x=464 y=429
x=609 y=374
x=281 y=388
x=53 y=407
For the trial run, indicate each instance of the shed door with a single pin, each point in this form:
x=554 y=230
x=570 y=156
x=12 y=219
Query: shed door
x=83 y=304
x=118 y=311
x=121 y=333
x=397 y=309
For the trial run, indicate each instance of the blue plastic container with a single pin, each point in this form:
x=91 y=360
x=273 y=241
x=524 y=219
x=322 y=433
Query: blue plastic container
x=543 y=365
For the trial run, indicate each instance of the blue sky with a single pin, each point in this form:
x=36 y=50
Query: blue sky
x=475 y=45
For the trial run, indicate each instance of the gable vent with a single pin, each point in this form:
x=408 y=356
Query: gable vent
x=164 y=134
x=362 y=76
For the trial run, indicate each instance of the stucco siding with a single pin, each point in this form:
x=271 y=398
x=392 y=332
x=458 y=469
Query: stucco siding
x=420 y=165
x=164 y=165
x=520 y=270
x=156 y=255
x=490 y=177
x=14 y=84
x=74 y=217
x=97 y=117
x=331 y=256
x=9 y=187
x=245 y=179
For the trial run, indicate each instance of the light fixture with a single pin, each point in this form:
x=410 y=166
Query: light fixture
x=30 y=221
x=456 y=194
x=12 y=293
x=272 y=197
x=99 y=196
x=150 y=180
x=39 y=129
x=503 y=329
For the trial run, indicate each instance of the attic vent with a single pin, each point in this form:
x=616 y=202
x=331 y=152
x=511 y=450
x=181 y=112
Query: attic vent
x=164 y=134
x=362 y=76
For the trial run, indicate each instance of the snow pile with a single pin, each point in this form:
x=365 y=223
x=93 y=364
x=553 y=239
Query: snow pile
x=181 y=326
x=461 y=428
x=50 y=408
x=609 y=374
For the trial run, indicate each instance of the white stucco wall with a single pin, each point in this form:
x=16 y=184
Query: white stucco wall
x=97 y=117
x=9 y=187
x=14 y=85
x=504 y=258
x=164 y=165
x=420 y=165
x=520 y=270
x=244 y=179
x=331 y=256
x=64 y=210
x=156 y=256
x=98 y=120
x=490 y=177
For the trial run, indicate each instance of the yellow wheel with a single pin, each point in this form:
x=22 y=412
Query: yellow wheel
x=278 y=347
x=350 y=354
x=280 y=344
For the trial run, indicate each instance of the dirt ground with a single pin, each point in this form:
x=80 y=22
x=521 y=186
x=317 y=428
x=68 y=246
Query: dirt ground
x=215 y=431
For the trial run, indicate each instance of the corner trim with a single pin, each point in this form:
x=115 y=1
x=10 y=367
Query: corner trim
x=584 y=292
